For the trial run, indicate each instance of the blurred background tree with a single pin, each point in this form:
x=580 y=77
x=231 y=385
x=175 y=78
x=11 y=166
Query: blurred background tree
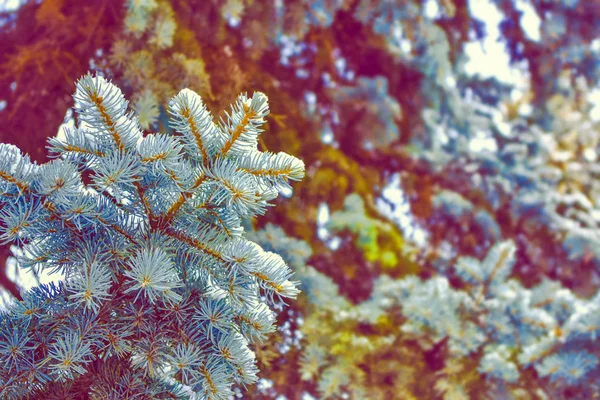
x=430 y=130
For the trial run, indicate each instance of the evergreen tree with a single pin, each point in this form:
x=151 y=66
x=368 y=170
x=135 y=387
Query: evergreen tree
x=162 y=292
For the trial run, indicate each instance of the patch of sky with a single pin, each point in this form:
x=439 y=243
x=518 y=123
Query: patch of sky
x=9 y=5
x=233 y=22
x=302 y=73
x=286 y=192
x=432 y=9
x=289 y=48
x=399 y=39
x=594 y=97
x=530 y=20
x=327 y=134
x=322 y=219
x=264 y=384
x=394 y=205
x=341 y=66
x=26 y=279
x=327 y=81
x=484 y=143
x=311 y=101
x=489 y=57
x=323 y=216
x=335 y=117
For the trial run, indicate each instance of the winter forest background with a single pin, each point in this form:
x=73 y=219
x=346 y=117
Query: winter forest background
x=446 y=234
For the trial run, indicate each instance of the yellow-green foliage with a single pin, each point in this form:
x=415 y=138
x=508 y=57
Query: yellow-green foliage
x=379 y=240
x=344 y=355
x=357 y=349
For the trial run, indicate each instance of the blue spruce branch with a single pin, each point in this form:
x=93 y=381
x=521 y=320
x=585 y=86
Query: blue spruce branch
x=162 y=292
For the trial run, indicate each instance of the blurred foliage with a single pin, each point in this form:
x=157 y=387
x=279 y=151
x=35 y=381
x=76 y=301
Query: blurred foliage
x=386 y=92
x=378 y=240
x=424 y=339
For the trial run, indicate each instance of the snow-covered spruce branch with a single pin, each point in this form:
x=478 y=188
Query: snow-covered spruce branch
x=162 y=292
